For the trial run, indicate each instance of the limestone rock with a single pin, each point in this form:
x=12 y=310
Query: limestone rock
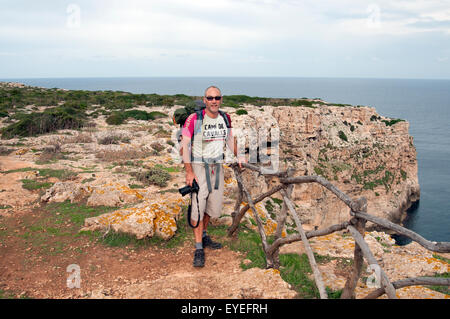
x=113 y=194
x=136 y=220
x=157 y=216
x=62 y=191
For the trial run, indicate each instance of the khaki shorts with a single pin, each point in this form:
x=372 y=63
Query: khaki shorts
x=211 y=203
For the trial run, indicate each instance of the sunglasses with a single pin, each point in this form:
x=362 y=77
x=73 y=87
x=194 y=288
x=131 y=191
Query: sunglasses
x=210 y=98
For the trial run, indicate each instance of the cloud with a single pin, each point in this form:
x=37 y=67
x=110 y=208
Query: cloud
x=253 y=35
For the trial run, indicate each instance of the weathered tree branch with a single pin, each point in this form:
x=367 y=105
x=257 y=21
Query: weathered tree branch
x=435 y=281
x=309 y=234
x=261 y=170
x=387 y=285
x=325 y=183
x=352 y=281
x=255 y=213
x=237 y=219
x=312 y=261
x=440 y=247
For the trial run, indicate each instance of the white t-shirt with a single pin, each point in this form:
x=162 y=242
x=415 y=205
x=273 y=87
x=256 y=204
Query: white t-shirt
x=210 y=142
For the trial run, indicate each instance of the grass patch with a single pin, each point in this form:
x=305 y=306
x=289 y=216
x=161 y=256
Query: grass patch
x=32 y=185
x=52 y=234
x=294 y=269
x=61 y=174
x=441 y=289
x=46 y=172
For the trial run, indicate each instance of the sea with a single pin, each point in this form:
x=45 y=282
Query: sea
x=425 y=104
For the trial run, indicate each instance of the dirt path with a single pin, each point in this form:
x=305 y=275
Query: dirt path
x=11 y=191
x=34 y=256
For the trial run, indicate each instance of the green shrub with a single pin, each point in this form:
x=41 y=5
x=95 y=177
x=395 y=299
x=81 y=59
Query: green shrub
x=241 y=112
x=116 y=118
x=157 y=115
x=392 y=122
x=154 y=175
x=303 y=102
x=403 y=174
x=342 y=136
x=45 y=122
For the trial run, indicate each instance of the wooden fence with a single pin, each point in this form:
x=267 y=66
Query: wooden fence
x=355 y=225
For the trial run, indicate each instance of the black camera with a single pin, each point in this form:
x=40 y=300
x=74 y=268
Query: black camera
x=189 y=189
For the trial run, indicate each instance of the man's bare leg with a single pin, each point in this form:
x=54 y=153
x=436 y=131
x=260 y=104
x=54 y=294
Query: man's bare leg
x=198 y=231
x=206 y=240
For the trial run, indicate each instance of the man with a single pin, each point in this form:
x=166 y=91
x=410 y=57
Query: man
x=204 y=164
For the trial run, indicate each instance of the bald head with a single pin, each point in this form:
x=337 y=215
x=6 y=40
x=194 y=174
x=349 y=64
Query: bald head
x=212 y=87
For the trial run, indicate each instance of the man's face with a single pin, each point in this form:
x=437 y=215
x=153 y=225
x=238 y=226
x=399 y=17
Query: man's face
x=212 y=104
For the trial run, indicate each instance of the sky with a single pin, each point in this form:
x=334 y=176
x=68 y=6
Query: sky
x=279 y=38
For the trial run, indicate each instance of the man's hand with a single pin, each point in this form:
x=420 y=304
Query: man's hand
x=190 y=176
x=241 y=160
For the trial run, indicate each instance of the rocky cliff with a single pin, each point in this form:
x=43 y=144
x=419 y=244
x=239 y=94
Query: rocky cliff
x=359 y=151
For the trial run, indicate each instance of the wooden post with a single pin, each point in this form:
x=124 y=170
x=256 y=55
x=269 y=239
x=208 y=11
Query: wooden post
x=269 y=261
x=312 y=261
x=281 y=222
x=358 y=260
x=235 y=213
x=237 y=219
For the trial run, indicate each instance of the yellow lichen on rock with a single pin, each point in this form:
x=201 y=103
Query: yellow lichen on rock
x=22 y=151
x=151 y=217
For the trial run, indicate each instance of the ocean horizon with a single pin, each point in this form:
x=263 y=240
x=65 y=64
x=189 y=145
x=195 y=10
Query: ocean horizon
x=424 y=103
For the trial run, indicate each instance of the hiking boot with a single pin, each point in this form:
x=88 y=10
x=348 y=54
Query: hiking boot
x=208 y=242
x=199 y=258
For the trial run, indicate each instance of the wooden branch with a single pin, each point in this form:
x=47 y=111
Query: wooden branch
x=255 y=213
x=237 y=219
x=235 y=213
x=441 y=247
x=281 y=222
x=237 y=205
x=386 y=284
x=309 y=234
x=261 y=169
x=358 y=260
x=281 y=217
x=325 y=183
x=435 y=281
x=309 y=252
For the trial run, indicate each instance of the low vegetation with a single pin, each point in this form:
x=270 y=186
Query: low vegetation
x=153 y=176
